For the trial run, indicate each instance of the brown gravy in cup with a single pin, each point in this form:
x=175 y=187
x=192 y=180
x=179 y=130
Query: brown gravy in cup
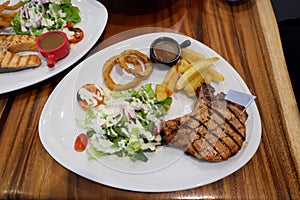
x=51 y=41
x=165 y=50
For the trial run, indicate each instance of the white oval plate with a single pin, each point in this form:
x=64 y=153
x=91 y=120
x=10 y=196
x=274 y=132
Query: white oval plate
x=94 y=18
x=58 y=129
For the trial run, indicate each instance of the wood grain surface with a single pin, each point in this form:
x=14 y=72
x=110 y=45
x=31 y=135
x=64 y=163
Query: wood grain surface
x=245 y=34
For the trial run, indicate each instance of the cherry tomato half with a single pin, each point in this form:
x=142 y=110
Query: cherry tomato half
x=68 y=24
x=90 y=95
x=77 y=33
x=77 y=36
x=81 y=142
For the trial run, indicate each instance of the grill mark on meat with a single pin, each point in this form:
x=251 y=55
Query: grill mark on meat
x=241 y=118
x=18 y=60
x=231 y=117
x=16 y=43
x=218 y=136
x=219 y=122
x=10 y=60
x=213 y=131
x=217 y=153
x=183 y=139
x=226 y=134
x=220 y=145
x=234 y=108
x=230 y=123
x=211 y=138
x=208 y=151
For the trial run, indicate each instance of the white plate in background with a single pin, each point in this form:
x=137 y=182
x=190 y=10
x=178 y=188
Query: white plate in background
x=93 y=21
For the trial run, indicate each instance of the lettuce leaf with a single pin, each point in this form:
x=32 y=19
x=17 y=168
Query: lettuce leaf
x=65 y=6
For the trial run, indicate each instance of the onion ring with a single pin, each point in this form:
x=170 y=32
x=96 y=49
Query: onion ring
x=144 y=58
x=133 y=57
x=123 y=59
x=107 y=67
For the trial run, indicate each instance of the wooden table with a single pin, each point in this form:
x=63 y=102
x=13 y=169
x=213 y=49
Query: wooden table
x=246 y=35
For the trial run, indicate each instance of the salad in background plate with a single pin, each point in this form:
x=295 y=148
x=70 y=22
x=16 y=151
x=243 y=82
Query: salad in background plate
x=39 y=16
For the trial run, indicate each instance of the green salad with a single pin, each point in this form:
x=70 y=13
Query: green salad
x=127 y=123
x=39 y=16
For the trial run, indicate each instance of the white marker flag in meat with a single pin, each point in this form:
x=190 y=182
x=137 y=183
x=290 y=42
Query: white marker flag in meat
x=240 y=98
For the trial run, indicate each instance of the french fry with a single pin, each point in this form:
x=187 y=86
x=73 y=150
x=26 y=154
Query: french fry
x=215 y=75
x=213 y=59
x=4 y=23
x=171 y=77
x=206 y=76
x=183 y=66
x=9 y=15
x=192 y=72
x=170 y=73
x=3 y=6
x=189 y=73
x=191 y=55
x=15 y=6
x=189 y=90
x=172 y=83
x=195 y=83
x=191 y=87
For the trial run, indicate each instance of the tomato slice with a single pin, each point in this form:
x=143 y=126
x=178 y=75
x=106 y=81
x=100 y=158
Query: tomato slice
x=77 y=36
x=81 y=142
x=77 y=33
x=90 y=95
x=68 y=24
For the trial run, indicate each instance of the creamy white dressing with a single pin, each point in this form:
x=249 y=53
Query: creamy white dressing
x=129 y=117
x=47 y=22
x=53 y=1
x=23 y=28
x=122 y=144
x=110 y=115
x=112 y=132
x=104 y=145
x=90 y=97
x=68 y=33
x=124 y=130
x=33 y=16
x=151 y=146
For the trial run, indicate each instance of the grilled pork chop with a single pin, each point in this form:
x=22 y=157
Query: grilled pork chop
x=214 y=131
x=10 y=45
